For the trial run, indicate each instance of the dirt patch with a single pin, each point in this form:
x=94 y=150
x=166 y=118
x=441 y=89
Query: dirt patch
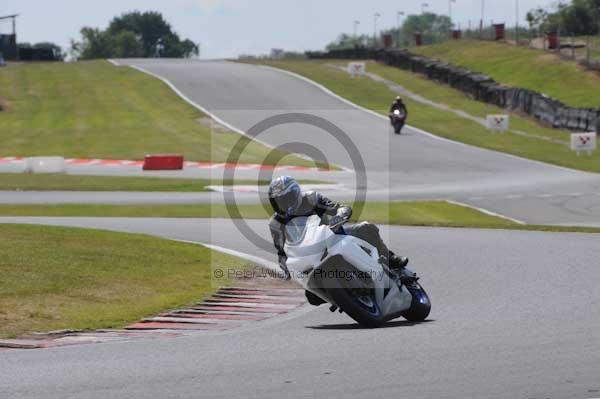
x=549 y=58
x=4 y=106
x=213 y=125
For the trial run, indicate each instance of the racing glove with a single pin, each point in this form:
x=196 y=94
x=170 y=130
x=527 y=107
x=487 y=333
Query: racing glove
x=336 y=221
x=343 y=214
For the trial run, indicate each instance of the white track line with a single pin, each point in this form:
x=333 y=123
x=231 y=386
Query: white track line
x=251 y=305
x=247 y=188
x=194 y=104
x=482 y=210
x=416 y=129
x=260 y=261
x=210 y=114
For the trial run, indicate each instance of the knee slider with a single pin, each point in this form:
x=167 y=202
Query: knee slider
x=367 y=228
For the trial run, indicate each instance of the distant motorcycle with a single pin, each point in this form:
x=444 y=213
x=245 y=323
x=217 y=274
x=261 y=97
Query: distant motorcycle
x=348 y=273
x=398 y=120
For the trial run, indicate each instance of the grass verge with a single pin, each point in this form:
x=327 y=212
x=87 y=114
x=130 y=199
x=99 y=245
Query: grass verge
x=405 y=213
x=95 y=110
x=457 y=100
x=523 y=67
x=58 y=278
x=61 y=182
x=377 y=97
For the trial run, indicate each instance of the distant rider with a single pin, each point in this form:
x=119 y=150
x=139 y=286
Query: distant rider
x=289 y=201
x=399 y=105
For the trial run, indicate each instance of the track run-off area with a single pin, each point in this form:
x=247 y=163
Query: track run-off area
x=515 y=314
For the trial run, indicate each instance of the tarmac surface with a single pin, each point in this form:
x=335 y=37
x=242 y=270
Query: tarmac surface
x=415 y=165
x=515 y=314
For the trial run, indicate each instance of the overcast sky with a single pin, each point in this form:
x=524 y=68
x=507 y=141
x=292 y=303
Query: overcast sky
x=227 y=28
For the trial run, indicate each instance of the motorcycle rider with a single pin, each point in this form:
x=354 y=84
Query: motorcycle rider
x=399 y=105
x=288 y=201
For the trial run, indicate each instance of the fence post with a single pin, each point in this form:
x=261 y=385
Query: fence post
x=544 y=40
x=572 y=46
x=588 y=50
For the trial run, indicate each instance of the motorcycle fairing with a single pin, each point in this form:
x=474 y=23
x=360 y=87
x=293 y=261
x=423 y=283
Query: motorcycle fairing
x=317 y=251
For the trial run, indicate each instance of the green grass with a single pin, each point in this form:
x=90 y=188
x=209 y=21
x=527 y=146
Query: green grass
x=458 y=101
x=377 y=96
x=522 y=67
x=96 y=110
x=135 y=210
x=66 y=278
x=60 y=182
x=404 y=213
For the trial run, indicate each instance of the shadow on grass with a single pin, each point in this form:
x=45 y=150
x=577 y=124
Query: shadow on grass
x=354 y=326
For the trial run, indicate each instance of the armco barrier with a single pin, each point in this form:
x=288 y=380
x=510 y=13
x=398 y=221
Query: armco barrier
x=358 y=53
x=485 y=89
x=479 y=87
x=45 y=165
x=163 y=162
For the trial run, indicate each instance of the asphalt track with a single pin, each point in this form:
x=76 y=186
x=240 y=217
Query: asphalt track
x=415 y=165
x=515 y=314
x=513 y=317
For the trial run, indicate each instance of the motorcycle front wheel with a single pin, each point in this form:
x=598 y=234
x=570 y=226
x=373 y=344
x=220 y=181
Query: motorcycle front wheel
x=359 y=304
x=398 y=128
x=420 y=306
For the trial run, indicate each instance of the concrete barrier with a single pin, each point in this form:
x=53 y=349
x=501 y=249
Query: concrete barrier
x=163 y=162
x=499 y=123
x=45 y=165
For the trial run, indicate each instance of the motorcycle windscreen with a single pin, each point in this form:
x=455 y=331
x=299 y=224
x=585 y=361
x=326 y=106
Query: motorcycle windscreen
x=306 y=242
x=295 y=230
x=304 y=230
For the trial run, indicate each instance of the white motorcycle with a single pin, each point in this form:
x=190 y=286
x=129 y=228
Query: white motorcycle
x=348 y=273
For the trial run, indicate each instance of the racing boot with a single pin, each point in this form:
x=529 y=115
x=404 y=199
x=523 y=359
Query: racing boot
x=313 y=299
x=397 y=263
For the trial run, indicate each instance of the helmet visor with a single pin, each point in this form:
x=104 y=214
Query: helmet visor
x=289 y=201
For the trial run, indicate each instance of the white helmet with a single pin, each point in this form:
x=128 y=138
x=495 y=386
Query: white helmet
x=285 y=195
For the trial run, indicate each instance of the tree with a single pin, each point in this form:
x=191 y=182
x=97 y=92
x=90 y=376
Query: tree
x=94 y=44
x=536 y=17
x=59 y=55
x=55 y=48
x=126 y=45
x=434 y=28
x=580 y=17
x=345 y=41
x=133 y=34
x=149 y=27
